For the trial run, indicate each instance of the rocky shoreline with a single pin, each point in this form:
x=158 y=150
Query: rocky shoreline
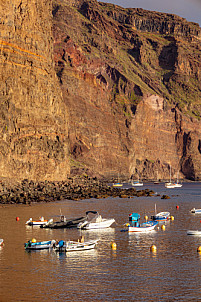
x=76 y=188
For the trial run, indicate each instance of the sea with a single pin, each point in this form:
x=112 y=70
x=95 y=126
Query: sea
x=132 y=272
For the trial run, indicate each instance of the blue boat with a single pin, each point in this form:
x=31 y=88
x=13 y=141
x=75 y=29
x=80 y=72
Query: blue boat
x=33 y=245
x=161 y=216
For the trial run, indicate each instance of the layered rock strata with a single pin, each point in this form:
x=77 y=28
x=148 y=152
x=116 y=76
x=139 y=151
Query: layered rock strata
x=132 y=82
x=33 y=117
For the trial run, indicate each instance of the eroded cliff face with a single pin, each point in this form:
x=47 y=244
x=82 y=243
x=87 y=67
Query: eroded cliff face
x=89 y=87
x=131 y=80
x=33 y=117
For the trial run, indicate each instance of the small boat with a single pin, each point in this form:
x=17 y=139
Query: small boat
x=1 y=242
x=74 y=246
x=196 y=211
x=135 y=226
x=172 y=185
x=96 y=223
x=33 y=245
x=41 y=221
x=194 y=233
x=137 y=183
x=161 y=216
x=118 y=184
x=64 y=222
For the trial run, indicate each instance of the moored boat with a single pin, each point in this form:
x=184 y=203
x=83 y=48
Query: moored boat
x=1 y=242
x=194 y=232
x=41 y=245
x=96 y=223
x=74 y=246
x=39 y=222
x=137 y=183
x=136 y=226
x=64 y=222
x=196 y=211
x=161 y=216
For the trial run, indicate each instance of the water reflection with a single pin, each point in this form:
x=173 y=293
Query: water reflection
x=131 y=272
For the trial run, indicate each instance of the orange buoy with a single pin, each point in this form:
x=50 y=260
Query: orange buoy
x=17 y=219
x=163 y=227
x=153 y=248
x=113 y=246
x=177 y=207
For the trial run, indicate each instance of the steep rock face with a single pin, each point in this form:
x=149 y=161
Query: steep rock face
x=33 y=117
x=131 y=80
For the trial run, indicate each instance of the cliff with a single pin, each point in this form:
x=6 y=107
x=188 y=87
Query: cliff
x=89 y=87
x=131 y=80
x=33 y=117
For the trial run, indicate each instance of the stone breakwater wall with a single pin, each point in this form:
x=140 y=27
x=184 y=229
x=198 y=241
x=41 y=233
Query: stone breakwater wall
x=28 y=192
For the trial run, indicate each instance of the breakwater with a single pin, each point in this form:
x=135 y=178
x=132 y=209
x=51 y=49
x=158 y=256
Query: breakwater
x=77 y=188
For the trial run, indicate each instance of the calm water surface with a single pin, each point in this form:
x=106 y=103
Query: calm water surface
x=131 y=273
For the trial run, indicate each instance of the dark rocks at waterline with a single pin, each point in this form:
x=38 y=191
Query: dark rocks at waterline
x=77 y=188
x=165 y=197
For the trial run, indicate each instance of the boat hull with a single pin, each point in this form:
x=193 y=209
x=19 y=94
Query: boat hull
x=161 y=216
x=73 y=246
x=137 y=184
x=105 y=223
x=40 y=245
x=194 y=233
x=143 y=228
x=70 y=223
x=196 y=211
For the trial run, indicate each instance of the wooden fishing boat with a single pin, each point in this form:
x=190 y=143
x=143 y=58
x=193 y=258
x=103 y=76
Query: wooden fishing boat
x=33 y=245
x=39 y=222
x=196 y=211
x=135 y=226
x=96 y=223
x=74 y=246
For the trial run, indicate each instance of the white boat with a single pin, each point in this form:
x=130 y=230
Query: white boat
x=74 y=246
x=96 y=223
x=194 y=233
x=135 y=226
x=177 y=184
x=172 y=185
x=39 y=222
x=1 y=242
x=161 y=216
x=196 y=211
x=33 y=245
x=137 y=183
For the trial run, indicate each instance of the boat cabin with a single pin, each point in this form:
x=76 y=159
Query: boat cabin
x=134 y=219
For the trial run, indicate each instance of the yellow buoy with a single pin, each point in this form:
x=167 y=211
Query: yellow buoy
x=152 y=248
x=163 y=227
x=33 y=240
x=146 y=217
x=199 y=249
x=127 y=224
x=172 y=217
x=113 y=245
